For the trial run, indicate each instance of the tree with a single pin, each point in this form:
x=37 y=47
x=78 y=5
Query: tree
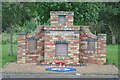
x=85 y=12
x=15 y=13
x=109 y=15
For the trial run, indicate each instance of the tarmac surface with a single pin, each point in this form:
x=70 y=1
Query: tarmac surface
x=56 y=76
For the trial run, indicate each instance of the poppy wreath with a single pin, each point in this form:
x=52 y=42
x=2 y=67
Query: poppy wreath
x=57 y=63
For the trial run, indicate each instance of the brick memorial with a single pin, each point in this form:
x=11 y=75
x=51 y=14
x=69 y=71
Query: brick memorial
x=61 y=41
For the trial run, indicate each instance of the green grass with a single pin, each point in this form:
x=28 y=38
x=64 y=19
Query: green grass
x=5 y=53
x=112 y=54
x=6 y=38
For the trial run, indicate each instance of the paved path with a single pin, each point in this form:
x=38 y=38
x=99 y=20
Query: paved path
x=56 y=76
x=89 y=69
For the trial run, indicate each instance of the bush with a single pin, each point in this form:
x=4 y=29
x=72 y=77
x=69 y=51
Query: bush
x=28 y=27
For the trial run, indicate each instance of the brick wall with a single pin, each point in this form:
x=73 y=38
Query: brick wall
x=30 y=56
x=69 y=35
x=96 y=56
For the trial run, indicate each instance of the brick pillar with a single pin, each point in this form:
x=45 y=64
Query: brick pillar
x=102 y=48
x=83 y=46
x=40 y=47
x=22 y=47
x=54 y=18
x=70 y=19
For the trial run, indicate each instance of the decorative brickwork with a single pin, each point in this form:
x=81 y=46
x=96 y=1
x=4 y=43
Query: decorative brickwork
x=81 y=44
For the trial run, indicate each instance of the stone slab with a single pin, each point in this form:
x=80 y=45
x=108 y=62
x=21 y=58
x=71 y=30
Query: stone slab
x=33 y=68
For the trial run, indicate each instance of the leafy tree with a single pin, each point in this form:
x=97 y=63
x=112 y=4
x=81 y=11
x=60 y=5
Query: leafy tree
x=14 y=13
x=85 y=13
x=109 y=15
x=28 y=27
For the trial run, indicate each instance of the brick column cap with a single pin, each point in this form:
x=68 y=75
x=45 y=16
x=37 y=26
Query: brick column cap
x=21 y=33
x=61 y=12
x=101 y=34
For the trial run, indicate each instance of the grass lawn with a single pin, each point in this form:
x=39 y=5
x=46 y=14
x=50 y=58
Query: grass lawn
x=5 y=53
x=112 y=54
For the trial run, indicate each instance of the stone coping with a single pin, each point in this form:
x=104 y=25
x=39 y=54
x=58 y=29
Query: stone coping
x=21 y=33
x=61 y=12
x=101 y=34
